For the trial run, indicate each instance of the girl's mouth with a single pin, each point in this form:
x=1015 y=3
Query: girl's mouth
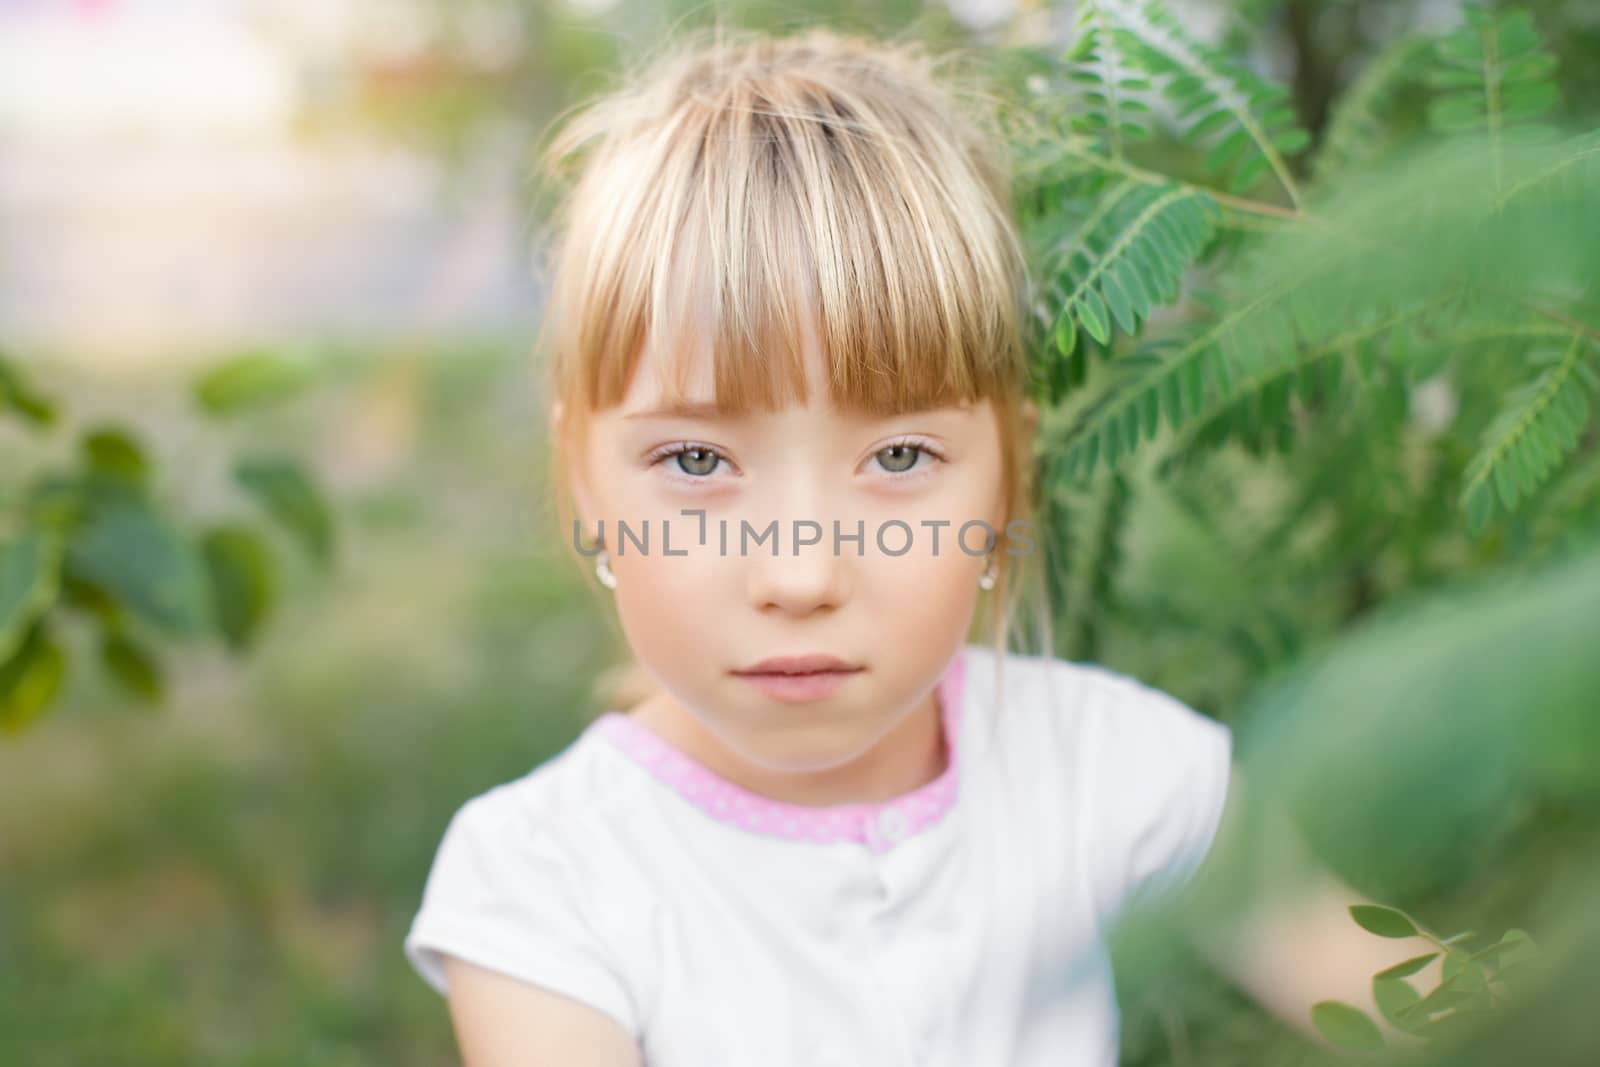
x=802 y=687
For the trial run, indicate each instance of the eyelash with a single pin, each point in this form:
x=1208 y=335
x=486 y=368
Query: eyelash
x=672 y=451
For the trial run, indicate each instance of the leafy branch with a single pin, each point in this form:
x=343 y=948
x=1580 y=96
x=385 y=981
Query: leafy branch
x=95 y=539
x=1471 y=983
x=1250 y=118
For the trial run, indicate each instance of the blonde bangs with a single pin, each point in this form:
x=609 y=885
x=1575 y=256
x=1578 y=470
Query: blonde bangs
x=749 y=195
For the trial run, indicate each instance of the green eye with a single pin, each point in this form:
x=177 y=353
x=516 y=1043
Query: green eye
x=697 y=461
x=901 y=458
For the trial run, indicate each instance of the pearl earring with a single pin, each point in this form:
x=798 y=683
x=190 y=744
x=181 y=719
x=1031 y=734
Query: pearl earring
x=990 y=573
x=602 y=570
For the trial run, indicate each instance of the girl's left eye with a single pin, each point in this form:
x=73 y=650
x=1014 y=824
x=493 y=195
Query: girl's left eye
x=900 y=458
x=695 y=462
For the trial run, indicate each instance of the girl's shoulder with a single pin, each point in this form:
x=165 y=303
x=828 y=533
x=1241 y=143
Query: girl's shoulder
x=1141 y=776
x=530 y=878
x=1050 y=694
x=573 y=788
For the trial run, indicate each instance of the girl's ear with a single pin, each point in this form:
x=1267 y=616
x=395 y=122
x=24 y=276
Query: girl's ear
x=1030 y=416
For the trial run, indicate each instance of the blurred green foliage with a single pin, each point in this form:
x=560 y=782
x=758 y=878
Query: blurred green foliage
x=97 y=537
x=1293 y=378
x=232 y=886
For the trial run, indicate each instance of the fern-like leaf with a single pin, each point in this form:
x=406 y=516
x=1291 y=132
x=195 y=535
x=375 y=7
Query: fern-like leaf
x=1493 y=75
x=1249 y=118
x=1188 y=374
x=1126 y=257
x=1110 y=89
x=1356 y=127
x=1540 y=423
x=1258 y=414
x=1169 y=376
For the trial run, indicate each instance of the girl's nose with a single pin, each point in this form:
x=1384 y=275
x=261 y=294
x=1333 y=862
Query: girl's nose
x=811 y=568
x=816 y=579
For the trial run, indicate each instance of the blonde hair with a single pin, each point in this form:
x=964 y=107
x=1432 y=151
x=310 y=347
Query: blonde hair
x=785 y=181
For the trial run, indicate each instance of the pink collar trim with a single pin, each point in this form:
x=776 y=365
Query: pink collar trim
x=878 y=825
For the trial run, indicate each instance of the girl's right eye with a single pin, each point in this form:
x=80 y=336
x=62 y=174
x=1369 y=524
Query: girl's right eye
x=695 y=462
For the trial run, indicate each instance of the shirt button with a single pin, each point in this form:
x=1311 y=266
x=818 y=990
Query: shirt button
x=892 y=824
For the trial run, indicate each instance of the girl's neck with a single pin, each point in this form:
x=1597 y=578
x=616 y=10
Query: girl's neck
x=912 y=754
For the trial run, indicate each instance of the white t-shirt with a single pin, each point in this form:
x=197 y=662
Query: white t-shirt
x=957 y=924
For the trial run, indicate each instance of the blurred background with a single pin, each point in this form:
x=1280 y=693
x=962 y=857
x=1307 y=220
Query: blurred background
x=213 y=859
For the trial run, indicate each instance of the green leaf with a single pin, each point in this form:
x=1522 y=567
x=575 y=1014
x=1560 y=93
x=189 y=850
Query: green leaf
x=1151 y=413
x=1456 y=1026
x=1452 y=78
x=1230 y=148
x=54 y=501
x=1192 y=378
x=1291 y=141
x=1468 y=975
x=29 y=583
x=1248 y=172
x=1527 y=101
x=18 y=396
x=1092 y=313
x=1221 y=368
x=243 y=582
x=1445 y=996
x=1283 y=120
x=1346 y=1026
x=1455 y=113
x=1393 y=996
x=254 y=380
x=1520 y=947
x=139 y=558
x=1479 y=505
x=113 y=451
x=1139 y=277
x=1066 y=335
x=132 y=666
x=1130 y=425
x=1385 y=922
x=286 y=491
x=1408 y=967
x=1120 y=302
x=1184 y=87
x=30 y=679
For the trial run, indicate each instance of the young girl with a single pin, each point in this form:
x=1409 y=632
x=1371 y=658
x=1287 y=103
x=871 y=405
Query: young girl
x=790 y=406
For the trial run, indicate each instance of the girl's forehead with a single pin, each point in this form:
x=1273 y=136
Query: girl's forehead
x=686 y=375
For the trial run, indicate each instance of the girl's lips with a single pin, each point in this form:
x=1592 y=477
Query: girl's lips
x=807 y=664
x=800 y=688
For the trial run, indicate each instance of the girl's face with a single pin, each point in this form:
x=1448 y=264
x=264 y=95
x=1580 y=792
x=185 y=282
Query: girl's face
x=713 y=599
